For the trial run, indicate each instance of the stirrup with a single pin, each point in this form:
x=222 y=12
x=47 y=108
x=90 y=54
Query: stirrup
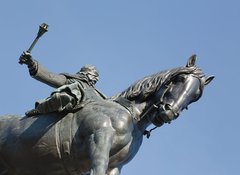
x=32 y=113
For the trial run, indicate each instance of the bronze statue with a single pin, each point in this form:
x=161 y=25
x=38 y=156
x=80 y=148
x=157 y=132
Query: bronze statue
x=95 y=135
x=105 y=134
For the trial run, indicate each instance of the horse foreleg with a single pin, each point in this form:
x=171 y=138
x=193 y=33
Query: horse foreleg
x=100 y=144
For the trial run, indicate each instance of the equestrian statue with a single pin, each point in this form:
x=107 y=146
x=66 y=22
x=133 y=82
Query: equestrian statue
x=77 y=130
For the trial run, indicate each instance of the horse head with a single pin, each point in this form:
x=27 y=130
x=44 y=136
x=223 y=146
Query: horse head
x=180 y=88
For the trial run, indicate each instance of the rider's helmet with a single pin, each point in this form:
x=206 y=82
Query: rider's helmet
x=91 y=72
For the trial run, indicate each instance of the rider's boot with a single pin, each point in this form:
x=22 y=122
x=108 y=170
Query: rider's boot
x=32 y=112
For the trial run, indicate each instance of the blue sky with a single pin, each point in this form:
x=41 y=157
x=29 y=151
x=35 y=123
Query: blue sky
x=128 y=40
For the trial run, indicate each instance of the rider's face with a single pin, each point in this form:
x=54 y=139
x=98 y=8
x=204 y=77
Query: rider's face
x=93 y=78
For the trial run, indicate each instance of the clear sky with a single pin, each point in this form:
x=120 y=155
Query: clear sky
x=128 y=40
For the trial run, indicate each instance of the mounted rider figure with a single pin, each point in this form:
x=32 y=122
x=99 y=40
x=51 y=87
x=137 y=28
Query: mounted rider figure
x=72 y=91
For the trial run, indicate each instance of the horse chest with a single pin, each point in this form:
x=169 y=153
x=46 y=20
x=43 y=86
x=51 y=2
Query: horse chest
x=126 y=152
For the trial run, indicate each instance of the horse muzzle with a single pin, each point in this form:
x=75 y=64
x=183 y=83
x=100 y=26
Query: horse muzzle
x=167 y=113
x=164 y=114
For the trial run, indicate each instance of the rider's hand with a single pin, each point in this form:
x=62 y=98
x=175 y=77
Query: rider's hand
x=26 y=58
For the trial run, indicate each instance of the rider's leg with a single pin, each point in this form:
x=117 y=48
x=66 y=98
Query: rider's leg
x=56 y=102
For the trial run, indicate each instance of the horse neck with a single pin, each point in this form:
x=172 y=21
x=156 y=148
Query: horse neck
x=139 y=109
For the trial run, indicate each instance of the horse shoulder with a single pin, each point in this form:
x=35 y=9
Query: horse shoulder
x=122 y=122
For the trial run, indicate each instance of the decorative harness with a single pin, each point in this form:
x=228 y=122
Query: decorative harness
x=155 y=106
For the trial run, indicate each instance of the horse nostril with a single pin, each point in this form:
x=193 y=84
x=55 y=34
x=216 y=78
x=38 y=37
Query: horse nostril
x=168 y=107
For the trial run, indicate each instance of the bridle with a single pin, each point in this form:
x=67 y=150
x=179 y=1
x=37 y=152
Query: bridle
x=159 y=105
x=155 y=107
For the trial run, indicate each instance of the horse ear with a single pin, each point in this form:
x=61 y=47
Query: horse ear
x=191 y=61
x=208 y=80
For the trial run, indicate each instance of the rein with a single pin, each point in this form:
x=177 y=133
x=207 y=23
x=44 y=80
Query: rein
x=156 y=106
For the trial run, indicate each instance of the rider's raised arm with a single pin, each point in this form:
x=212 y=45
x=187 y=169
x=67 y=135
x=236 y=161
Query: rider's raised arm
x=49 y=78
x=38 y=72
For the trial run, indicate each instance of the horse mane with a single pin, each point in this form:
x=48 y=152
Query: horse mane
x=147 y=86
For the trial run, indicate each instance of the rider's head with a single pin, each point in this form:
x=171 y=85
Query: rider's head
x=91 y=73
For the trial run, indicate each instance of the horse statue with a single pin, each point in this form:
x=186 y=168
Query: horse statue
x=103 y=136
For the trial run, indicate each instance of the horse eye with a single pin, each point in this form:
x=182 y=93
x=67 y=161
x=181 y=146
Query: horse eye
x=178 y=79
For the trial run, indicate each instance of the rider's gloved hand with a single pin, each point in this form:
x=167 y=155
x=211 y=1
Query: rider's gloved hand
x=26 y=58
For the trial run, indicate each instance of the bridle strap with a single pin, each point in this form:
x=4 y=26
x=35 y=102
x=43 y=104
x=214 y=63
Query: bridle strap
x=156 y=106
x=148 y=133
